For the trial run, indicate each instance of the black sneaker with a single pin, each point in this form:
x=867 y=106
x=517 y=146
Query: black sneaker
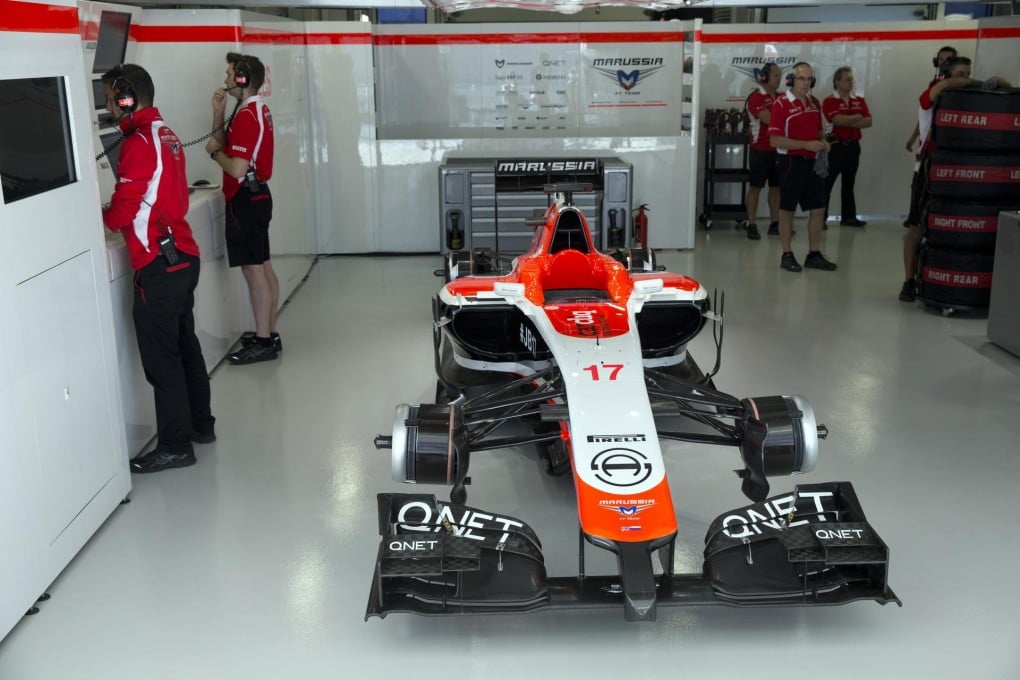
x=773 y=228
x=161 y=459
x=203 y=437
x=253 y=354
x=852 y=223
x=248 y=337
x=907 y=292
x=816 y=260
x=789 y=263
x=752 y=232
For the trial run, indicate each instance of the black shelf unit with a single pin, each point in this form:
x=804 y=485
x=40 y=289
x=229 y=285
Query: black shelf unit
x=716 y=175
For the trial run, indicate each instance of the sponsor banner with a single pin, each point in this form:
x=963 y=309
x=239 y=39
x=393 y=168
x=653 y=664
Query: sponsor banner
x=972 y=120
x=956 y=279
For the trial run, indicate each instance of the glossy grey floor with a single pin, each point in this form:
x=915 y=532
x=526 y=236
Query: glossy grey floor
x=255 y=563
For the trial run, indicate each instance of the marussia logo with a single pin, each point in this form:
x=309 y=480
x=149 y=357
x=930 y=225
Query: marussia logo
x=627 y=80
x=627 y=509
x=751 y=66
x=500 y=63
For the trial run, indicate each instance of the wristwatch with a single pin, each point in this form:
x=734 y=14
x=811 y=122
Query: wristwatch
x=213 y=154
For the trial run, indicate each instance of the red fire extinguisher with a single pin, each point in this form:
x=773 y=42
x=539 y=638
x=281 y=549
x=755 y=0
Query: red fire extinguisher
x=641 y=226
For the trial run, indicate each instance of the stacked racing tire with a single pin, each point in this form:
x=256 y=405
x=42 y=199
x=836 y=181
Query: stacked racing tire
x=973 y=174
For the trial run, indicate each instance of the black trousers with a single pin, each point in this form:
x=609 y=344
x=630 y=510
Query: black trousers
x=844 y=158
x=171 y=354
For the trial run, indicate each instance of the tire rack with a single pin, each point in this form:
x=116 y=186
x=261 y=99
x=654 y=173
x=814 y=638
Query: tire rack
x=973 y=174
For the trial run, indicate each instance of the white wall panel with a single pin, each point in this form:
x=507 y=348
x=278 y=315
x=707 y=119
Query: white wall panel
x=342 y=97
x=63 y=462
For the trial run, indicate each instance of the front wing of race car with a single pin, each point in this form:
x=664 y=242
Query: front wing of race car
x=813 y=546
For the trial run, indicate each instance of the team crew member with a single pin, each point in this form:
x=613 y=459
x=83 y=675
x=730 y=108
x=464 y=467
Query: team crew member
x=762 y=155
x=148 y=207
x=939 y=61
x=245 y=154
x=958 y=77
x=797 y=133
x=848 y=115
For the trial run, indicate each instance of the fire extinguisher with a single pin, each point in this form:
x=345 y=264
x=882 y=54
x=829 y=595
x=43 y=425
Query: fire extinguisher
x=641 y=226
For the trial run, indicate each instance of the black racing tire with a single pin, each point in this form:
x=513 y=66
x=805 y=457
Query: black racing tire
x=955 y=278
x=964 y=226
x=983 y=177
x=978 y=120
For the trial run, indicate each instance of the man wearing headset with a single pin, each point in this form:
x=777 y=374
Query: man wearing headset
x=939 y=61
x=244 y=151
x=796 y=131
x=845 y=116
x=148 y=208
x=762 y=155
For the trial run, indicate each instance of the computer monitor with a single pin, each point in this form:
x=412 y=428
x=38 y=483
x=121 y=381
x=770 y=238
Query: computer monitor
x=111 y=147
x=99 y=94
x=111 y=44
x=36 y=149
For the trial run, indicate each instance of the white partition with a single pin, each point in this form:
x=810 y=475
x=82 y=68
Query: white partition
x=343 y=150
x=63 y=463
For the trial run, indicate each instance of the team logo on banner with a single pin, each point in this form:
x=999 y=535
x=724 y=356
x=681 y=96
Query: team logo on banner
x=752 y=66
x=627 y=80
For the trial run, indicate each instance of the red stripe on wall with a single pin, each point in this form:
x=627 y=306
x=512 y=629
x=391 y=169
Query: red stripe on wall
x=528 y=38
x=999 y=32
x=31 y=17
x=338 y=39
x=183 y=34
x=833 y=36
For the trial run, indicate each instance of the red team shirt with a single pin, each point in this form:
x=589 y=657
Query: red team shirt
x=250 y=136
x=151 y=173
x=834 y=105
x=759 y=101
x=794 y=119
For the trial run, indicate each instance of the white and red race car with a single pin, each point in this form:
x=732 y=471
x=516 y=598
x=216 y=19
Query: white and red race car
x=583 y=354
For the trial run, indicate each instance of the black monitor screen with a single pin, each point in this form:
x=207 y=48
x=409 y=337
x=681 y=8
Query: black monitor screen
x=99 y=94
x=111 y=45
x=111 y=146
x=36 y=153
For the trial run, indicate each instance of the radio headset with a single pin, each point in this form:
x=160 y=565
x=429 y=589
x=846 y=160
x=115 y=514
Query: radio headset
x=127 y=101
x=791 y=77
x=223 y=126
x=765 y=72
x=944 y=69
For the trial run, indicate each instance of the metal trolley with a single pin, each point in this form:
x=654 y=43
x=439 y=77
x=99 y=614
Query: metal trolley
x=729 y=168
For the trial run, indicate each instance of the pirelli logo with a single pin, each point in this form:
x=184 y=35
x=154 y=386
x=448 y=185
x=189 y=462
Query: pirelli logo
x=575 y=166
x=615 y=438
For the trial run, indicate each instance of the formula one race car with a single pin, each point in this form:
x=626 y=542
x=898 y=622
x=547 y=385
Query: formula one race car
x=583 y=354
